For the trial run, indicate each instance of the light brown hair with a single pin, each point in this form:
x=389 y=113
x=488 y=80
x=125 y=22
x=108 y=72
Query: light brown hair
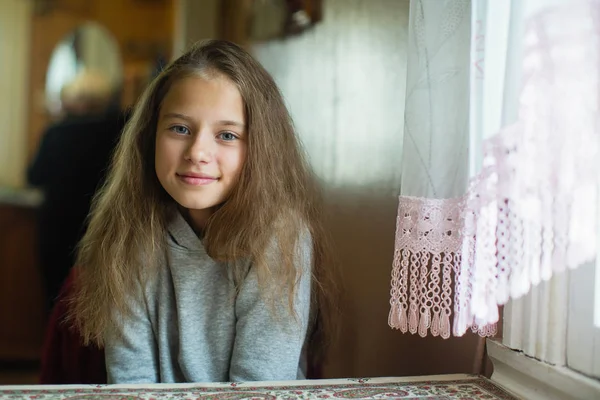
x=276 y=197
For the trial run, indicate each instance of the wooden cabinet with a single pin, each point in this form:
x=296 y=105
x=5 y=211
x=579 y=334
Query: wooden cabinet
x=21 y=301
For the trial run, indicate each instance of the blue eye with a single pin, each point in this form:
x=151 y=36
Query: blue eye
x=180 y=130
x=228 y=136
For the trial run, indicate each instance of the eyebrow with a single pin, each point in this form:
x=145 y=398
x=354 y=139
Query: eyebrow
x=225 y=122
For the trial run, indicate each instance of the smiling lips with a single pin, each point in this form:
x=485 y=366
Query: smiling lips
x=194 y=179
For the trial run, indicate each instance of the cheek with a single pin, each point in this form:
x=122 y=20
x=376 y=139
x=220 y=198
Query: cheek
x=233 y=160
x=163 y=158
x=165 y=153
x=158 y=155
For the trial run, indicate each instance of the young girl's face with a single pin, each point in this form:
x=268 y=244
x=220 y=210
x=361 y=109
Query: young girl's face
x=200 y=143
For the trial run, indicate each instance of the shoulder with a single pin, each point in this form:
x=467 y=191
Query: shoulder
x=52 y=132
x=305 y=238
x=291 y=225
x=292 y=238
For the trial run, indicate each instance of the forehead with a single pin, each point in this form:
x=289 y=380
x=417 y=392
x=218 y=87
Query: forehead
x=204 y=97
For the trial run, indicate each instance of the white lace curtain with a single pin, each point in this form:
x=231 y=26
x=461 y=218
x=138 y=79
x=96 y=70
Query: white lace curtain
x=500 y=167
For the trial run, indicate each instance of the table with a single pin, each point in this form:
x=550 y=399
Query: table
x=441 y=387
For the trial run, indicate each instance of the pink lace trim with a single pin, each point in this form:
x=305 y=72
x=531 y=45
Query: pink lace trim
x=533 y=209
x=427 y=261
x=427 y=241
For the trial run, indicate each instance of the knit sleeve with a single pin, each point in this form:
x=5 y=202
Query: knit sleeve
x=131 y=351
x=268 y=345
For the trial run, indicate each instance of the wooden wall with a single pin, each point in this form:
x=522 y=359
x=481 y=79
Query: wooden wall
x=344 y=82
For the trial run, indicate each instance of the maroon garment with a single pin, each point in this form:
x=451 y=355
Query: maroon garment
x=65 y=360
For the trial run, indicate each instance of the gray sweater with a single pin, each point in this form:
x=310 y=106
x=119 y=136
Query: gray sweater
x=193 y=328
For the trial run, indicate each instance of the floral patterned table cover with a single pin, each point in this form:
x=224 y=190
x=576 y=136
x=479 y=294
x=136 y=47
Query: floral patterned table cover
x=443 y=387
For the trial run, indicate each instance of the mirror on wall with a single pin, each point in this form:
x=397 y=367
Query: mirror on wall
x=88 y=56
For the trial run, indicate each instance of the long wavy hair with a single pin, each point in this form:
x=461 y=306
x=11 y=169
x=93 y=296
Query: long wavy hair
x=276 y=197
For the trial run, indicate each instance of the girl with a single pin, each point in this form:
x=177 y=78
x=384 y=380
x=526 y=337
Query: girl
x=205 y=258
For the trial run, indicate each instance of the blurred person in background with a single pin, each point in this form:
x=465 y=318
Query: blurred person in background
x=69 y=166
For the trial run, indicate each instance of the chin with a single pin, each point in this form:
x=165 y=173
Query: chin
x=195 y=205
x=201 y=207
x=198 y=204
x=197 y=201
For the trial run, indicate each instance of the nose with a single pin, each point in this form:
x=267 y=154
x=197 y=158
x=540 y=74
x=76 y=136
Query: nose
x=201 y=148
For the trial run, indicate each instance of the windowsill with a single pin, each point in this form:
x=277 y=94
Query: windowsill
x=529 y=378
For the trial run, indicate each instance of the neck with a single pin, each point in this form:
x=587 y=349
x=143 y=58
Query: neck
x=198 y=219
